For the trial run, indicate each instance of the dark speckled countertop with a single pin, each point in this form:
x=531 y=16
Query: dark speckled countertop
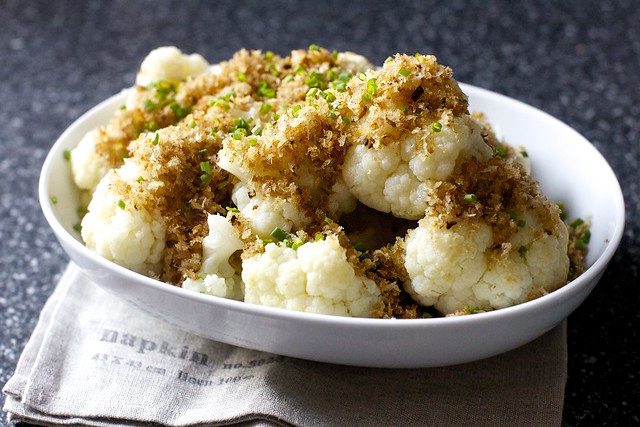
x=578 y=60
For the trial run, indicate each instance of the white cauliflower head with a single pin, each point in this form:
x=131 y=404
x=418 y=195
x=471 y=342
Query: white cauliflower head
x=87 y=165
x=168 y=63
x=289 y=171
x=408 y=128
x=217 y=276
x=267 y=213
x=457 y=266
x=119 y=231
x=398 y=177
x=315 y=278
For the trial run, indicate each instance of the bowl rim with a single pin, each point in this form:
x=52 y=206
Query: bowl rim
x=573 y=287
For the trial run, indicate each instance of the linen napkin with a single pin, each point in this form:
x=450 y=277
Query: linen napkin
x=95 y=360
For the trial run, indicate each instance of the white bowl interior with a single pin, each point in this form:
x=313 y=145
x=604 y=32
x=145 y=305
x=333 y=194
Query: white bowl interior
x=569 y=168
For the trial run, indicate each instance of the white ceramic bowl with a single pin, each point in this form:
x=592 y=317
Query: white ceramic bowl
x=569 y=168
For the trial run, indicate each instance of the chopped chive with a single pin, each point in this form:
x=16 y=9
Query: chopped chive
x=404 y=72
x=77 y=227
x=361 y=76
x=366 y=97
x=501 y=150
x=140 y=179
x=151 y=126
x=121 y=204
x=155 y=139
x=54 y=200
x=232 y=209
x=239 y=133
x=179 y=111
x=471 y=198
x=312 y=92
x=66 y=154
x=436 y=126
x=265 y=91
x=241 y=76
x=328 y=220
x=279 y=234
x=314 y=47
x=257 y=130
x=268 y=55
x=522 y=250
x=563 y=214
x=359 y=246
x=203 y=151
x=149 y=105
x=265 y=108
x=346 y=120
x=341 y=86
x=576 y=222
x=252 y=141
x=372 y=86
x=471 y=310
x=206 y=167
x=318 y=237
x=296 y=244
x=389 y=59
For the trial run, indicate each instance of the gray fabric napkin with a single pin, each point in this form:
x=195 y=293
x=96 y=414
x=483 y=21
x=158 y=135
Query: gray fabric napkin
x=95 y=360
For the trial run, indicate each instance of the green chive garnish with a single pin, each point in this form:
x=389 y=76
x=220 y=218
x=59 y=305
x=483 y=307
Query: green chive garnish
x=279 y=234
x=471 y=198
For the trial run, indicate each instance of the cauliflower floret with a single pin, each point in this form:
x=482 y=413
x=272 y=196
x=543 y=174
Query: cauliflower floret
x=459 y=266
x=315 y=278
x=168 y=63
x=408 y=128
x=353 y=62
x=218 y=276
x=87 y=165
x=119 y=231
x=267 y=213
x=291 y=171
x=398 y=177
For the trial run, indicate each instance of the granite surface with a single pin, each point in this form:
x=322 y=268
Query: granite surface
x=578 y=60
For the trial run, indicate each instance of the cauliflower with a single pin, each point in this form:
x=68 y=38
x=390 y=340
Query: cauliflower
x=412 y=132
x=118 y=230
x=315 y=278
x=267 y=213
x=289 y=172
x=398 y=177
x=505 y=250
x=217 y=276
x=168 y=63
x=87 y=165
